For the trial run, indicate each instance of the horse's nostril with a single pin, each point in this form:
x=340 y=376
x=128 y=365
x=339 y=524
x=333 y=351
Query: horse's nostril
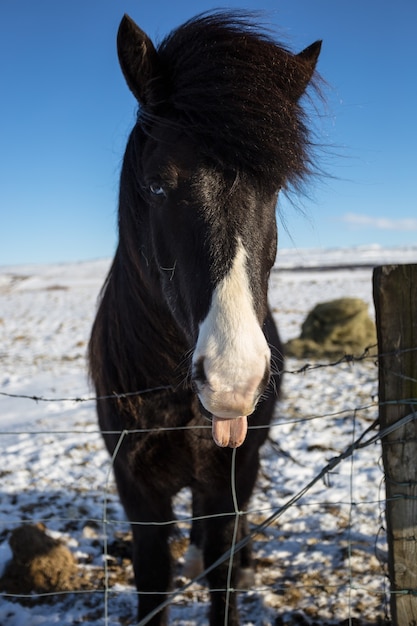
x=199 y=374
x=203 y=410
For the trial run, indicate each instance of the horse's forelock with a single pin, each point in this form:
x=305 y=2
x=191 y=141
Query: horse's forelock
x=231 y=88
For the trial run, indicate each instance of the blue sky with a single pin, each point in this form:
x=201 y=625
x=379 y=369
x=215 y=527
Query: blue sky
x=66 y=114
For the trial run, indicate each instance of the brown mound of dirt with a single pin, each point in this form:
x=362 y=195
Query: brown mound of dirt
x=333 y=329
x=40 y=563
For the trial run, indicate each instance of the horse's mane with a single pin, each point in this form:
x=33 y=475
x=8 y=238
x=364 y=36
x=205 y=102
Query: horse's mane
x=231 y=87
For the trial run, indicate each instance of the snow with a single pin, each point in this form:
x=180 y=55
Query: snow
x=322 y=558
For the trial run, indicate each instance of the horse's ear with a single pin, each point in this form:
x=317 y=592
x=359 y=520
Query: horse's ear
x=306 y=62
x=138 y=59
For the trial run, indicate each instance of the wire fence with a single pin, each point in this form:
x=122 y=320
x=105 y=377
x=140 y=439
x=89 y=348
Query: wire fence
x=318 y=531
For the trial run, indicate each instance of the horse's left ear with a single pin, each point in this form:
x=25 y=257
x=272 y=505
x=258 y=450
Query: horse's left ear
x=306 y=62
x=138 y=59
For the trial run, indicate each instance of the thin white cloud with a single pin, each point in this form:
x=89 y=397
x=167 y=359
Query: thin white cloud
x=380 y=223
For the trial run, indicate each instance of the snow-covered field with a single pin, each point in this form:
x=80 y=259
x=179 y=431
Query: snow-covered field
x=322 y=561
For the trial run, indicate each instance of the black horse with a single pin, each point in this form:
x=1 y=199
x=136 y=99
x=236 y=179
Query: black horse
x=184 y=310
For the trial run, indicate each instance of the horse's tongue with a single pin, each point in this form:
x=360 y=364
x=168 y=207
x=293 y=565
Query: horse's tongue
x=229 y=432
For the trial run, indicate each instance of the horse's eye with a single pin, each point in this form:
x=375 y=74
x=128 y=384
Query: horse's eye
x=157 y=190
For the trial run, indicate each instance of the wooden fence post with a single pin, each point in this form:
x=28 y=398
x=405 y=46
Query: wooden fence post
x=395 y=297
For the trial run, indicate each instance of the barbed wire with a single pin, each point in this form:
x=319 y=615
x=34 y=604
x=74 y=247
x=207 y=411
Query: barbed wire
x=346 y=358
x=409 y=402
x=79 y=399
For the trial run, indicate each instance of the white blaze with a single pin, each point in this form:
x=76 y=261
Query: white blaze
x=232 y=347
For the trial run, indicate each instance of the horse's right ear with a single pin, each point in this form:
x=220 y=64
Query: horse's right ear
x=306 y=62
x=138 y=59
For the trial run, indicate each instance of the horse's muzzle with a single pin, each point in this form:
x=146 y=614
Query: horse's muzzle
x=229 y=405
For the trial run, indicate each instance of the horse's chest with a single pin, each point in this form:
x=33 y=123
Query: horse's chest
x=171 y=438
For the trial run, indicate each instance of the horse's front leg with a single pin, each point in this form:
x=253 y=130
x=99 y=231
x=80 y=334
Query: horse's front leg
x=152 y=563
x=153 y=569
x=218 y=539
x=219 y=530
